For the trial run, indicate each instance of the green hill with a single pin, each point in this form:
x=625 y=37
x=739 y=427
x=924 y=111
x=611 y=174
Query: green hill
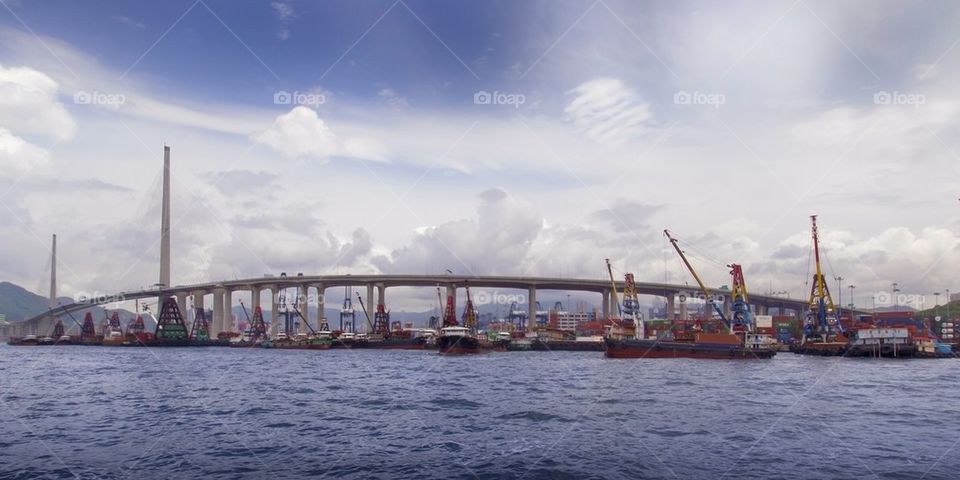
x=950 y=310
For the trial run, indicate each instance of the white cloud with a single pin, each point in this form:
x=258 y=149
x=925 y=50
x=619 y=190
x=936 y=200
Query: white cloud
x=608 y=111
x=18 y=156
x=301 y=133
x=29 y=104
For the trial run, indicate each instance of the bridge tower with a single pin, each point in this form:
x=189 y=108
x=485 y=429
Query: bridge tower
x=165 y=224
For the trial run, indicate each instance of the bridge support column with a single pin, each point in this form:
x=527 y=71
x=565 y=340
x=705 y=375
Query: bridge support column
x=181 y=304
x=254 y=299
x=605 y=304
x=683 y=308
x=671 y=312
x=228 y=311
x=727 y=306
x=760 y=309
x=197 y=303
x=304 y=306
x=531 y=308
x=274 y=308
x=217 y=325
x=368 y=305
x=381 y=294
x=321 y=300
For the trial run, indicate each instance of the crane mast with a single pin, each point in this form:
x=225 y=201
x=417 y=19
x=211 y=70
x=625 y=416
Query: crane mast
x=613 y=287
x=821 y=303
x=742 y=320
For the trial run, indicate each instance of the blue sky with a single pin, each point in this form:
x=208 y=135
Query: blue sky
x=728 y=124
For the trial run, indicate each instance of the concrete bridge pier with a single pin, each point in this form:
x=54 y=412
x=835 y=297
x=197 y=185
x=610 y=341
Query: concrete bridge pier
x=217 y=325
x=254 y=299
x=188 y=319
x=671 y=312
x=531 y=308
x=181 y=304
x=683 y=309
x=228 y=311
x=381 y=295
x=304 y=306
x=368 y=305
x=274 y=308
x=605 y=304
x=321 y=300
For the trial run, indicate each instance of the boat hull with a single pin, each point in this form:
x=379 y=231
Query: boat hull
x=457 y=345
x=671 y=349
x=566 y=346
x=822 y=349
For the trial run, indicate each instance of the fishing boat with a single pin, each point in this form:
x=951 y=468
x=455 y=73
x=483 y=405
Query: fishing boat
x=455 y=339
x=625 y=336
x=823 y=334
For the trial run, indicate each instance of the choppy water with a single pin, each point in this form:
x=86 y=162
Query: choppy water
x=95 y=412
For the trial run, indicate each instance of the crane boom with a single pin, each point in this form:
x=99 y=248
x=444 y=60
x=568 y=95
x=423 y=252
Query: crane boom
x=703 y=288
x=613 y=288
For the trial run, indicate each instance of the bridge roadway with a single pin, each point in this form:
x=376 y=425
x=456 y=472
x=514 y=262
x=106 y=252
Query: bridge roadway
x=223 y=291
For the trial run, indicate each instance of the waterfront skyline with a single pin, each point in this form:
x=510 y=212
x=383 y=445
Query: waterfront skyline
x=531 y=139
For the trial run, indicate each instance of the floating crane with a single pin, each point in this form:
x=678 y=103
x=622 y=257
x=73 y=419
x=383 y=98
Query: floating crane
x=449 y=315
x=742 y=320
x=200 y=329
x=703 y=288
x=822 y=332
x=469 y=313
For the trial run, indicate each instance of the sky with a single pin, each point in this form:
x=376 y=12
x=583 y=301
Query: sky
x=528 y=138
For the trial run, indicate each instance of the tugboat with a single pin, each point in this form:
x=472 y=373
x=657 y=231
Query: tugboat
x=455 y=339
x=625 y=336
x=823 y=334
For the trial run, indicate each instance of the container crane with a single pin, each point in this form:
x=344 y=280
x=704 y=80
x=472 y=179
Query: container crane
x=517 y=317
x=742 y=320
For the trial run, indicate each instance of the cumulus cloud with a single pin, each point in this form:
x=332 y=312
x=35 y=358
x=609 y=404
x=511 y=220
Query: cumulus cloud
x=496 y=241
x=29 y=104
x=301 y=133
x=608 y=111
x=18 y=156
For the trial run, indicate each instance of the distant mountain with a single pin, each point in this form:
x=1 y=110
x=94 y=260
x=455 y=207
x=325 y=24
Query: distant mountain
x=19 y=304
